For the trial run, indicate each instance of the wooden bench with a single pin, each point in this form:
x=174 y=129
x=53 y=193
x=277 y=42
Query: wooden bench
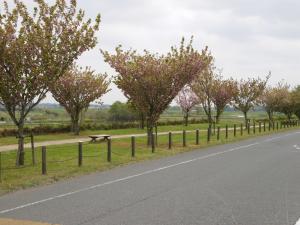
x=95 y=137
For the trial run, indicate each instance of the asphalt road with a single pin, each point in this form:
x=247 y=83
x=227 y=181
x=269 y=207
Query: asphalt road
x=253 y=182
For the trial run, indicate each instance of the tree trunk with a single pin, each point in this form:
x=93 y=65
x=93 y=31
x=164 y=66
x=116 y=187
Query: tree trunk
x=270 y=115
x=186 y=119
x=246 y=119
x=150 y=126
x=142 y=121
x=218 y=114
x=207 y=110
x=20 y=153
x=210 y=119
x=75 y=124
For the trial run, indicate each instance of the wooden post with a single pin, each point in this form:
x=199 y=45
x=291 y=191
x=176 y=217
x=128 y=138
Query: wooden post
x=277 y=125
x=183 y=138
x=269 y=126
x=234 y=130
x=44 y=161
x=152 y=143
x=197 y=137
x=218 y=133
x=273 y=125
x=132 y=146
x=259 y=127
x=226 y=128
x=214 y=127
x=170 y=140
x=254 y=128
x=264 y=126
x=32 y=149
x=108 y=150
x=80 y=153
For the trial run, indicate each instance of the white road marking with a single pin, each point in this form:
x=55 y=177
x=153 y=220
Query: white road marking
x=298 y=222
x=138 y=175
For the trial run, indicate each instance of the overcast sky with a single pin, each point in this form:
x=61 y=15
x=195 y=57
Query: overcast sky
x=247 y=37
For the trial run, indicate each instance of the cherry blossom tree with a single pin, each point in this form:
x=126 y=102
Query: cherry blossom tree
x=287 y=104
x=35 y=50
x=273 y=97
x=222 y=94
x=186 y=99
x=248 y=94
x=296 y=100
x=152 y=81
x=202 y=86
x=76 y=89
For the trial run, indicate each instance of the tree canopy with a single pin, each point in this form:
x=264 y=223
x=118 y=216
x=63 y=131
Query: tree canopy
x=36 y=49
x=76 y=89
x=248 y=94
x=152 y=81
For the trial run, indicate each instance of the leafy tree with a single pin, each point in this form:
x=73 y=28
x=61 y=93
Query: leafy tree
x=248 y=94
x=296 y=101
x=202 y=86
x=186 y=99
x=287 y=104
x=121 y=112
x=272 y=98
x=76 y=89
x=222 y=94
x=35 y=50
x=152 y=81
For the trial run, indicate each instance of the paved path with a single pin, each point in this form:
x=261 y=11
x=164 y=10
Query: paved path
x=76 y=140
x=252 y=182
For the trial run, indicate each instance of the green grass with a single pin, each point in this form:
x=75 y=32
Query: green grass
x=62 y=161
x=61 y=136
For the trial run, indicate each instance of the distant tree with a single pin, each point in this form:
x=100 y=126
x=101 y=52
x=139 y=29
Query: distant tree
x=152 y=81
x=35 y=50
x=202 y=86
x=287 y=105
x=296 y=100
x=222 y=94
x=248 y=94
x=76 y=89
x=186 y=99
x=121 y=112
x=272 y=98
x=140 y=115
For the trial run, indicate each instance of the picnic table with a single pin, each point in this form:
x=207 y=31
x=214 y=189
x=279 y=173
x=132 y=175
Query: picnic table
x=95 y=137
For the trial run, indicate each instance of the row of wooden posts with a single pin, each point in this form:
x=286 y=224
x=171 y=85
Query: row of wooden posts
x=211 y=130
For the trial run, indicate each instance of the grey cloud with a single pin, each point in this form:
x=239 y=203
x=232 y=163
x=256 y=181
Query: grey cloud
x=247 y=37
